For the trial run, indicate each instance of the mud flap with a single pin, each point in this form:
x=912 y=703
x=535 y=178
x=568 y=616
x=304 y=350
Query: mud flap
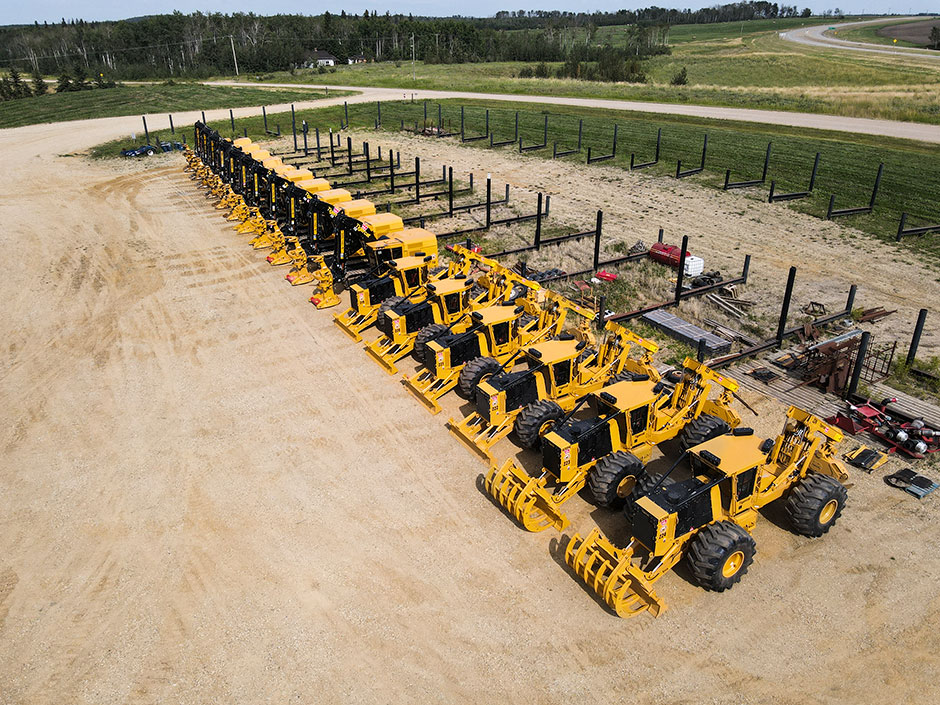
x=610 y=572
x=525 y=497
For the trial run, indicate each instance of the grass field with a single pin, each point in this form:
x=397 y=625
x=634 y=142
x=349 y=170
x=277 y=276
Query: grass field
x=729 y=64
x=887 y=33
x=140 y=99
x=847 y=168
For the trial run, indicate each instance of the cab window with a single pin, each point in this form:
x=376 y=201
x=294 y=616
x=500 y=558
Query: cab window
x=413 y=277
x=452 y=303
x=562 y=373
x=746 y=483
x=638 y=419
x=501 y=333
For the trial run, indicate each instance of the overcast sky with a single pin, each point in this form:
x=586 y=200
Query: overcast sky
x=54 y=10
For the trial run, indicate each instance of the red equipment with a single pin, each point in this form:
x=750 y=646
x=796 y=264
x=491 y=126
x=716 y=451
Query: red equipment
x=913 y=438
x=667 y=254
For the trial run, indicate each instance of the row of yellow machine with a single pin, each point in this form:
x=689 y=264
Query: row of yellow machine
x=593 y=405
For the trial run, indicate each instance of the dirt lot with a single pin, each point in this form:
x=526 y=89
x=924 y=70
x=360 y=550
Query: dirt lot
x=210 y=495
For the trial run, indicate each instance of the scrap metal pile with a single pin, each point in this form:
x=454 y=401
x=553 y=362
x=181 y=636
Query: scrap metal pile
x=591 y=404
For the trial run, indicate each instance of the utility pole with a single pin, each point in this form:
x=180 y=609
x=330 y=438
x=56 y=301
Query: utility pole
x=413 y=79
x=231 y=38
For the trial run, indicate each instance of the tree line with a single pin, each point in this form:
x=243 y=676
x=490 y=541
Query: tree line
x=198 y=45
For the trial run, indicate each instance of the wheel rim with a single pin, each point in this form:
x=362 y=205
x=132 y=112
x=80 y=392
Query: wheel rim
x=828 y=511
x=626 y=485
x=733 y=564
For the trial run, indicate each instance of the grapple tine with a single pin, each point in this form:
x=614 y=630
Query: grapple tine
x=524 y=497
x=610 y=572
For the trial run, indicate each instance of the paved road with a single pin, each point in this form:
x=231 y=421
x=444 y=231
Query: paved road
x=884 y=128
x=816 y=36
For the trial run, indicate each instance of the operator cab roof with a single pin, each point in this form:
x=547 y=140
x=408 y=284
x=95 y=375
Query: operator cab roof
x=442 y=287
x=495 y=314
x=630 y=394
x=554 y=350
x=737 y=453
x=408 y=262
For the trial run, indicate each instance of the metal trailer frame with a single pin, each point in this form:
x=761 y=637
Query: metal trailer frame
x=755 y=182
x=566 y=152
x=452 y=209
x=923 y=230
x=697 y=170
x=783 y=331
x=533 y=147
x=506 y=142
x=680 y=293
x=264 y=115
x=476 y=138
x=644 y=165
x=831 y=212
x=604 y=157
x=773 y=197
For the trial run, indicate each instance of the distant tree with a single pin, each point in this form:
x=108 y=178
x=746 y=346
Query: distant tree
x=65 y=84
x=806 y=12
x=39 y=86
x=81 y=79
x=680 y=78
x=935 y=37
x=18 y=87
x=541 y=70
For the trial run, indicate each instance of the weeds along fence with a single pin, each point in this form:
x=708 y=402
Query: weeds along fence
x=909 y=181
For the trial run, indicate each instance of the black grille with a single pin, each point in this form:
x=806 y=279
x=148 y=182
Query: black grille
x=385 y=325
x=430 y=358
x=416 y=316
x=521 y=389
x=483 y=404
x=644 y=528
x=551 y=457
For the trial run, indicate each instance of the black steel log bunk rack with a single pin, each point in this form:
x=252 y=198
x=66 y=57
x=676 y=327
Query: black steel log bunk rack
x=681 y=293
x=729 y=184
x=773 y=197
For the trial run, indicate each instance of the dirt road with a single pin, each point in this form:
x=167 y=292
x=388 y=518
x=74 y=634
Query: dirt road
x=817 y=36
x=839 y=123
x=209 y=494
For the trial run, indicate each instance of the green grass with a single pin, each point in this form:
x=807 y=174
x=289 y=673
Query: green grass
x=141 y=99
x=753 y=69
x=847 y=168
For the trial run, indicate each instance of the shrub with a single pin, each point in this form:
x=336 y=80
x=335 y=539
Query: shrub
x=681 y=78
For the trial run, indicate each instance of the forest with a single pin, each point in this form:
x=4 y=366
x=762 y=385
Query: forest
x=198 y=45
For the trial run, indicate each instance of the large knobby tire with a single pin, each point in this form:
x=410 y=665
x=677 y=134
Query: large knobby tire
x=702 y=429
x=644 y=483
x=475 y=372
x=385 y=307
x=606 y=479
x=815 y=504
x=720 y=555
x=425 y=336
x=627 y=376
x=535 y=420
